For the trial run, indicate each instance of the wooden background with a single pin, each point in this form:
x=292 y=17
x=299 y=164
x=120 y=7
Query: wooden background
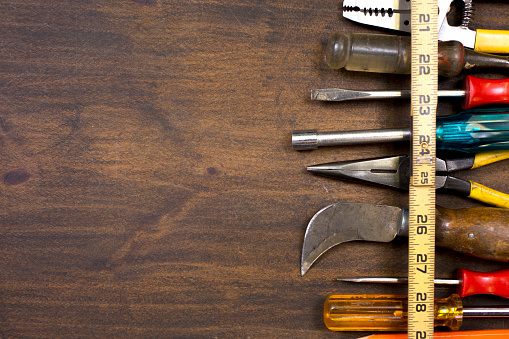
x=149 y=185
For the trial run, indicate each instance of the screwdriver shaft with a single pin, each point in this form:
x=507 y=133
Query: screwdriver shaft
x=391 y=280
x=311 y=139
x=485 y=312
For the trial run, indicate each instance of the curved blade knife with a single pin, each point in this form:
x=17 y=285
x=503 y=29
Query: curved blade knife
x=482 y=232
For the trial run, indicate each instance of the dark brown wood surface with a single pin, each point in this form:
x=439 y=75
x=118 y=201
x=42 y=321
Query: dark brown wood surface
x=149 y=185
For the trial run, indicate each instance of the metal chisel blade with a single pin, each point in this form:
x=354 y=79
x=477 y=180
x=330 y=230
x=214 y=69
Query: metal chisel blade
x=390 y=14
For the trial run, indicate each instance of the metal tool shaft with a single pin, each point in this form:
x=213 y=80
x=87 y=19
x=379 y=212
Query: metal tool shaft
x=339 y=94
x=390 y=280
x=312 y=139
x=486 y=312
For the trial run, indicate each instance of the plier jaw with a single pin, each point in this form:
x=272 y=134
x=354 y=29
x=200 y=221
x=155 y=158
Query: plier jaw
x=386 y=171
x=395 y=172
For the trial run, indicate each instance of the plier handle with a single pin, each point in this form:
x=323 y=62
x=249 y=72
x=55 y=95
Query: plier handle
x=395 y=172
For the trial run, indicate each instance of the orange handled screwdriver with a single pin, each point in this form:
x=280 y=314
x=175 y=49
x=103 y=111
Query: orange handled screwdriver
x=477 y=92
x=475 y=334
x=469 y=282
x=389 y=312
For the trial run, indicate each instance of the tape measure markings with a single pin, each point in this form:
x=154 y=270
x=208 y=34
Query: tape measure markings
x=422 y=187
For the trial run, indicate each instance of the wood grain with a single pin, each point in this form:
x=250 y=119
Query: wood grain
x=150 y=188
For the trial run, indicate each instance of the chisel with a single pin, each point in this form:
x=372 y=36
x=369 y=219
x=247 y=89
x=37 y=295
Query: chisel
x=477 y=92
x=469 y=282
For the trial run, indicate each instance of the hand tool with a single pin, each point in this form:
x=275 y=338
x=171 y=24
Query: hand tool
x=476 y=334
x=477 y=92
x=395 y=172
x=482 y=232
x=395 y=15
x=469 y=282
x=384 y=53
x=388 y=312
x=466 y=132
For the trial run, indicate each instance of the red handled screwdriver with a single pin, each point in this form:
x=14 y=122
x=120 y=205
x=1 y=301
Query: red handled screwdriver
x=477 y=92
x=469 y=282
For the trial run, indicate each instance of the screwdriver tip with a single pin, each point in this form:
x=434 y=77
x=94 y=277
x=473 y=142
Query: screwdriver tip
x=320 y=95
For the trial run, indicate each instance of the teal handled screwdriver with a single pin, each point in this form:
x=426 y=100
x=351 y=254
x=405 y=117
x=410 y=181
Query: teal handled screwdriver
x=471 y=131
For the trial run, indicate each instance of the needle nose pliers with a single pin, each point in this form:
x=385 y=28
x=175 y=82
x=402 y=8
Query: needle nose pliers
x=395 y=172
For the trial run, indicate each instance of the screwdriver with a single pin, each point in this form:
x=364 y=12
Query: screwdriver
x=465 y=132
x=388 y=312
x=384 y=53
x=477 y=334
x=469 y=282
x=477 y=92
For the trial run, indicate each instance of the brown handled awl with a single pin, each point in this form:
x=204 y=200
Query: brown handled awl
x=384 y=53
x=481 y=232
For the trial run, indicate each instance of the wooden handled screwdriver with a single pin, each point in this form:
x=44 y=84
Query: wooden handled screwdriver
x=385 y=53
x=469 y=282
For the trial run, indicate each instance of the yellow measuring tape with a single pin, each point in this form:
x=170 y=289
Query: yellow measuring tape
x=422 y=187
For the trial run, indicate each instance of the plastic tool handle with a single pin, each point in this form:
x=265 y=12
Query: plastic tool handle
x=486 y=158
x=472 y=282
x=479 y=91
x=492 y=41
x=475 y=334
x=365 y=312
x=474 y=132
x=488 y=195
x=481 y=232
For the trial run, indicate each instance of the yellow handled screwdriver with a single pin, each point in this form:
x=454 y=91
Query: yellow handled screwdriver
x=388 y=312
x=477 y=334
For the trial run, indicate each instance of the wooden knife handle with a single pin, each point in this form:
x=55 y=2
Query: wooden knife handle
x=481 y=232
